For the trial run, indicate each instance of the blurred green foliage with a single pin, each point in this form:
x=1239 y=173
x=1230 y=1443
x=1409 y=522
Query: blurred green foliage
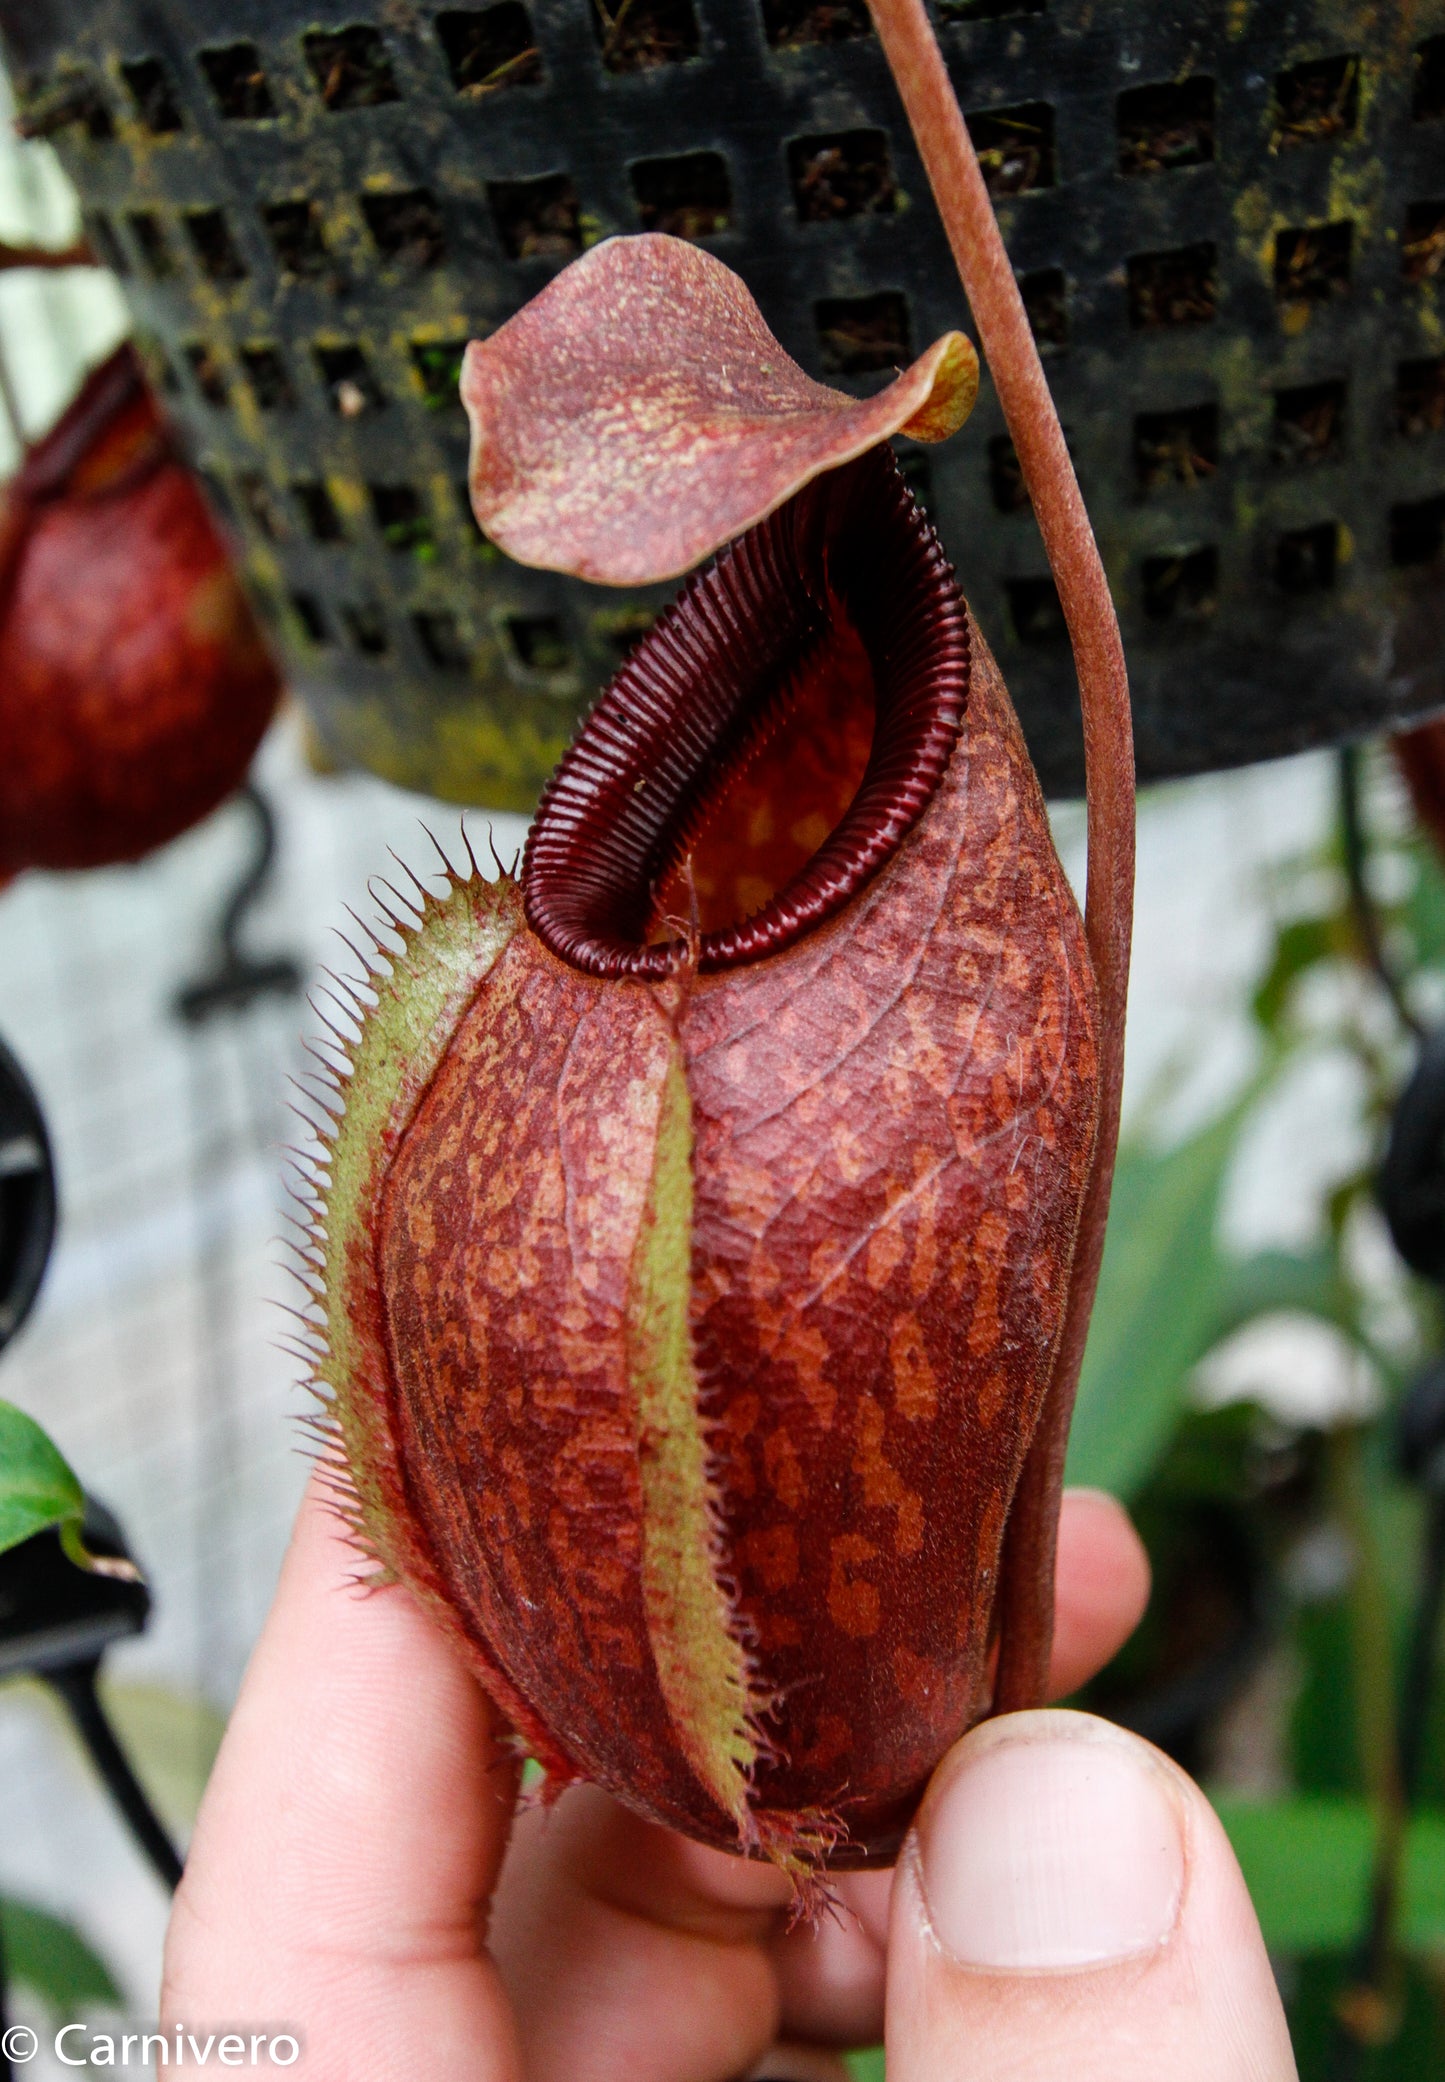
x=1287 y=1556
x=50 y=1960
x=38 y=1488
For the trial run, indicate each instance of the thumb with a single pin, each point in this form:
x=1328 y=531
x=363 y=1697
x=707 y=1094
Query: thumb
x=1068 y=1904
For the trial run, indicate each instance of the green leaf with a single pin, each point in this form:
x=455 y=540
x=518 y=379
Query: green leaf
x=1158 y=1305
x=1272 y=1281
x=1424 y=909
x=1308 y=1864
x=38 y=1488
x=1298 y=946
x=52 y=1960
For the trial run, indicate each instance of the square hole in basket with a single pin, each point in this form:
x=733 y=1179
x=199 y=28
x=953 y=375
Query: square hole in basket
x=406 y=227
x=213 y=245
x=1176 y=288
x=350 y=383
x=158 y=365
x=639 y=35
x=986 y=10
x=1427 y=101
x=848 y=174
x=1166 y=126
x=1005 y=476
x=1420 y=396
x=261 y=505
x=789 y=24
x=314 y=625
x=1180 y=446
x=205 y=366
x=1034 y=610
x=318 y=510
x=621 y=630
x=537 y=220
x=1316 y=101
x=858 y=334
x=690 y=196
x=538 y=644
x=238 y=82
x=153 y=95
x=914 y=469
x=401 y=517
x=1046 y=301
x=438 y=363
x=95 y=112
x=441 y=639
x=151 y=243
x=1312 y=262
x=269 y=377
x=294 y=229
x=1309 y=423
x=365 y=624
x=74 y=98
x=350 y=67
x=105 y=242
x=1015 y=147
x=1422 y=251
x=1305 y=558
x=1183 y=586
x=1417 y=531
x=489 y=47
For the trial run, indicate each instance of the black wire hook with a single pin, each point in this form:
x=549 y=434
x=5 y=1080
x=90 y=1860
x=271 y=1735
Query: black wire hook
x=236 y=978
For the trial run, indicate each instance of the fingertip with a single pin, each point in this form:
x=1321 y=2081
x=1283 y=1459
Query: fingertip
x=831 y=1971
x=1050 y=1840
x=1102 y=1584
x=1068 y=1896
x=1099 y=1544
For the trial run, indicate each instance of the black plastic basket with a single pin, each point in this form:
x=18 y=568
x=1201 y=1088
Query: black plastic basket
x=1229 y=221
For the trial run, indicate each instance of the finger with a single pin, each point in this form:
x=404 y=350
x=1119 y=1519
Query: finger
x=632 y=1955
x=350 y=1835
x=831 y=1975
x=1068 y=1904
x=830 y=1972
x=1101 y=1587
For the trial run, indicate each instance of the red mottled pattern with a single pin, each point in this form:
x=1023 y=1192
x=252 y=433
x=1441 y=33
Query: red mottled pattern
x=637 y=414
x=893 y=1127
x=506 y=1238
x=134 y=687
x=893 y=1124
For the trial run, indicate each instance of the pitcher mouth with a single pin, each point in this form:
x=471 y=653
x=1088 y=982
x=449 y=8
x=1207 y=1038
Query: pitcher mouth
x=766 y=747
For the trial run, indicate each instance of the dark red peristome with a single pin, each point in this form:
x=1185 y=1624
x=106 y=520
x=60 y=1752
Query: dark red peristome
x=720 y=674
x=134 y=685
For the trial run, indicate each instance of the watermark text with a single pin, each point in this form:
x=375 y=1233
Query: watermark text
x=106 y=2050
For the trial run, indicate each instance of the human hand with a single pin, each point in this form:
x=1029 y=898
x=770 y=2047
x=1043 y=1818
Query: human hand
x=1067 y=1902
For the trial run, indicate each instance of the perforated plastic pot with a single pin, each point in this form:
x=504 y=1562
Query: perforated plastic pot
x=1230 y=224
